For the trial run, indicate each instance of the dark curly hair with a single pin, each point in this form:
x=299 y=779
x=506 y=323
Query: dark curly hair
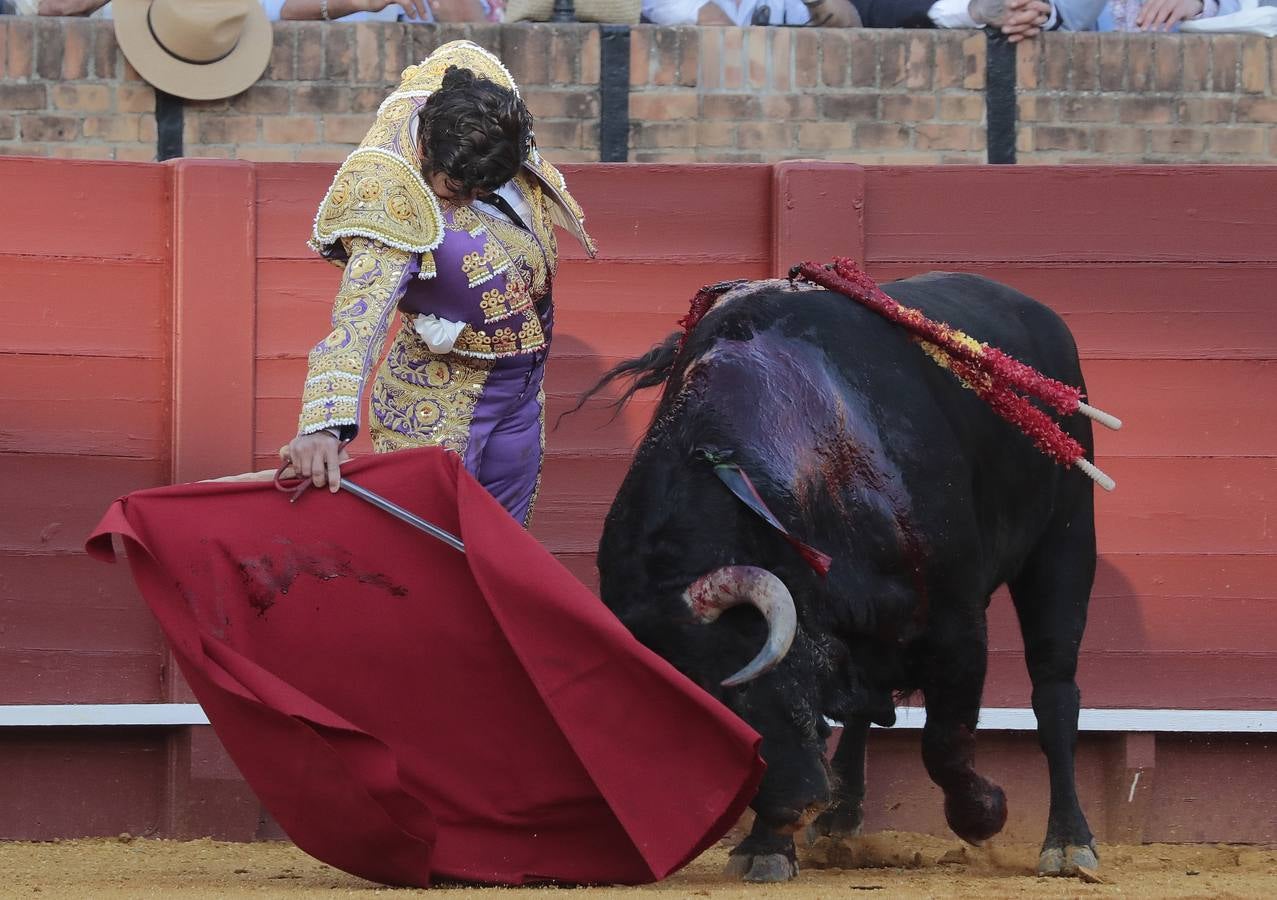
x=474 y=132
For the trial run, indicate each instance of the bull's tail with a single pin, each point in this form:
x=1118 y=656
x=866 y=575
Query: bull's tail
x=649 y=370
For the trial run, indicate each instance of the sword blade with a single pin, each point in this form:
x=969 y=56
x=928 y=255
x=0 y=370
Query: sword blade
x=403 y=515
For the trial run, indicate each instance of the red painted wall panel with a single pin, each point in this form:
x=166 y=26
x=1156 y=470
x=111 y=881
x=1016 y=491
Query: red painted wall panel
x=85 y=210
x=1064 y=214
x=1166 y=290
x=85 y=307
x=113 y=784
x=94 y=406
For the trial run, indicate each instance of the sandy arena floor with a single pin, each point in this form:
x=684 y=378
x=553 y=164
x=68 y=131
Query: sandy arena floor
x=898 y=865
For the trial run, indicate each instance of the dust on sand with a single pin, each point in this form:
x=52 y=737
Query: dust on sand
x=891 y=864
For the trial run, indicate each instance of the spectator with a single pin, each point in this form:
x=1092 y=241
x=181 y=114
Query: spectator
x=1159 y=15
x=1017 y=19
x=379 y=10
x=826 y=13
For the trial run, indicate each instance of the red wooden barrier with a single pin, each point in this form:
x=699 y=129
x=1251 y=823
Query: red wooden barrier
x=155 y=321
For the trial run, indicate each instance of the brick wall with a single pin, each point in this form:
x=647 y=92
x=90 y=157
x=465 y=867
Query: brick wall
x=720 y=94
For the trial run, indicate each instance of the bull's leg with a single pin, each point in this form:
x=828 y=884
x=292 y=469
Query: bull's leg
x=844 y=816
x=1051 y=596
x=953 y=679
x=765 y=855
x=793 y=792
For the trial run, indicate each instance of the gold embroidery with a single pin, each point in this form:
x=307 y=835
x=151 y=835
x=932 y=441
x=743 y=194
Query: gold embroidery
x=565 y=211
x=339 y=364
x=481 y=267
x=523 y=255
x=380 y=196
x=530 y=335
x=494 y=255
x=473 y=343
x=498 y=305
x=425 y=399
x=536 y=487
x=504 y=341
x=493 y=305
x=428 y=74
x=463 y=217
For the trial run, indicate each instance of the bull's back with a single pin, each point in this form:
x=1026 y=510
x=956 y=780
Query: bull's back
x=996 y=314
x=969 y=477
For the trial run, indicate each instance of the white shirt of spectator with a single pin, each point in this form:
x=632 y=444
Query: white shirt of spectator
x=684 y=12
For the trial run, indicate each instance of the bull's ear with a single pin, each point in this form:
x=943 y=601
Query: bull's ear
x=712 y=454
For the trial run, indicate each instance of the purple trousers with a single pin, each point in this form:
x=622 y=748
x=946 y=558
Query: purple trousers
x=489 y=412
x=507 y=434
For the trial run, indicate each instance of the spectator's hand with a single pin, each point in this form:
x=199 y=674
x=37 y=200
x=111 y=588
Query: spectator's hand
x=413 y=9
x=1025 y=19
x=1017 y=19
x=316 y=456
x=832 y=14
x=1161 y=15
x=712 y=14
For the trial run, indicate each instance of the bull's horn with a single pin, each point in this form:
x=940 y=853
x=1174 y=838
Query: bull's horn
x=731 y=586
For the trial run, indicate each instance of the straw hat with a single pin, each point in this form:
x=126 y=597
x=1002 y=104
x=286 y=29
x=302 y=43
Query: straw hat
x=198 y=49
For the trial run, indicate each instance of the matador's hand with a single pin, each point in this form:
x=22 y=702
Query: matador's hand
x=316 y=456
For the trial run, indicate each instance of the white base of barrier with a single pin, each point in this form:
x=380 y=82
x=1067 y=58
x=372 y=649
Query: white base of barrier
x=1187 y=721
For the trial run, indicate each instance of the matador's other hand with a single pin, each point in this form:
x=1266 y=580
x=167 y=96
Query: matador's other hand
x=316 y=456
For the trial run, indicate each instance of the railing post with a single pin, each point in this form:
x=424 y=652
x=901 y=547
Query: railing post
x=614 y=93
x=999 y=98
x=564 y=11
x=169 y=122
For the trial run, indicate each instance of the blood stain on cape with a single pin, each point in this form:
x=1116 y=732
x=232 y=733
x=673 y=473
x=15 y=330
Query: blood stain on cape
x=270 y=576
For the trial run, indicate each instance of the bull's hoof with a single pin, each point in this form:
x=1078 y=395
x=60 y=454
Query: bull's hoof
x=977 y=815
x=1071 y=862
x=763 y=867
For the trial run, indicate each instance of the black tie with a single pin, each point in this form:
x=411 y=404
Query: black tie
x=500 y=203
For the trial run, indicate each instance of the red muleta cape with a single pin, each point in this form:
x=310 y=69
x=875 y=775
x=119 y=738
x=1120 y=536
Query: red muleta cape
x=405 y=711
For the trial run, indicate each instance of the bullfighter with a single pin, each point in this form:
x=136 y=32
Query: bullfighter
x=446 y=211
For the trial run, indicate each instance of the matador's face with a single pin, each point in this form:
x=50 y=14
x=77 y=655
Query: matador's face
x=446 y=189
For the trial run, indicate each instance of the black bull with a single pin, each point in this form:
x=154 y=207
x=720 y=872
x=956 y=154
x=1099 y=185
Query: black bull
x=927 y=501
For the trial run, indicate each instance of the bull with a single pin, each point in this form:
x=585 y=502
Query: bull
x=926 y=501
